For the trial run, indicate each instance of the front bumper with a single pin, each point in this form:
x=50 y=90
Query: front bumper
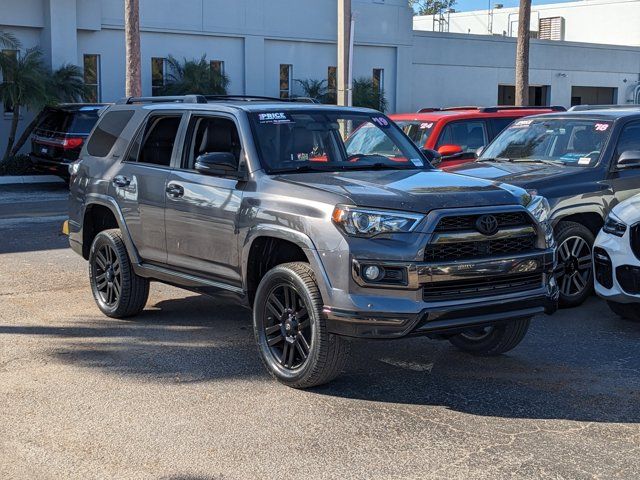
x=617 y=274
x=401 y=311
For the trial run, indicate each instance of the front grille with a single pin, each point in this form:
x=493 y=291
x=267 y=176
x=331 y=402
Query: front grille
x=468 y=222
x=629 y=278
x=603 y=267
x=498 y=285
x=488 y=248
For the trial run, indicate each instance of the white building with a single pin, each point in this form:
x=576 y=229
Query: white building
x=254 y=41
x=612 y=22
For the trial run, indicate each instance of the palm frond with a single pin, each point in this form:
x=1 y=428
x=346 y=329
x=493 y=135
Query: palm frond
x=9 y=40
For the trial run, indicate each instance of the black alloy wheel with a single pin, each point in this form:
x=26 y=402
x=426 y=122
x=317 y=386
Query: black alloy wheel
x=574 y=272
x=108 y=275
x=287 y=326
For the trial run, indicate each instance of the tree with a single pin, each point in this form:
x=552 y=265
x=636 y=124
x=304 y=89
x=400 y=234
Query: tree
x=65 y=84
x=133 y=82
x=430 y=7
x=312 y=88
x=24 y=85
x=365 y=94
x=194 y=77
x=522 y=54
x=8 y=40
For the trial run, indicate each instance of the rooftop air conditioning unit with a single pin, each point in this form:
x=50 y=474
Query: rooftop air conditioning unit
x=551 y=28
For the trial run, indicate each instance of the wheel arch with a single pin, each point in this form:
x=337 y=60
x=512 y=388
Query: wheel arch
x=593 y=219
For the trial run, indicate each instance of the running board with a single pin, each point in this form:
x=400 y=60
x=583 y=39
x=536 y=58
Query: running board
x=183 y=279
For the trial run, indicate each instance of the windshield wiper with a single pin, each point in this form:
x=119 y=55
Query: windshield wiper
x=495 y=159
x=378 y=166
x=301 y=169
x=538 y=160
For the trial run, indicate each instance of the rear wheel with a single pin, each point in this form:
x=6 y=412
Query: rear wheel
x=116 y=288
x=290 y=330
x=575 y=271
x=628 y=311
x=489 y=341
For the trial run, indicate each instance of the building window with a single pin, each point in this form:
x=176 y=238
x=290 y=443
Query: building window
x=217 y=76
x=91 y=65
x=217 y=67
x=539 y=95
x=286 y=80
x=8 y=107
x=158 y=75
x=332 y=85
x=378 y=80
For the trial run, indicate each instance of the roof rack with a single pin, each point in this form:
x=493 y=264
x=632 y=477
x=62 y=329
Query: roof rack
x=555 y=108
x=582 y=108
x=454 y=109
x=429 y=109
x=161 y=99
x=257 y=98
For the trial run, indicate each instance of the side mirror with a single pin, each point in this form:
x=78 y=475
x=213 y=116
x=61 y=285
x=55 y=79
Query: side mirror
x=221 y=164
x=629 y=159
x=450 y=150
x=433 y=156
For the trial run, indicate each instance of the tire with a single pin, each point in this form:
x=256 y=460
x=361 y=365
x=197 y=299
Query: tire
x=575 y=270
x=110 y=268
x=628 y=311
x=282 y=320
x=492 y=341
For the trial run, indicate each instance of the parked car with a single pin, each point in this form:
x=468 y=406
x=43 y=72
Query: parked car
x=458 y=132
x=227 y=197
x=60 y=134
x=583 y=163
x=616 y=257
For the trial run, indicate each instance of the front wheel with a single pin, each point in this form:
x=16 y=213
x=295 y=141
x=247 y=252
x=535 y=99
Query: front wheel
x=290 y=330
x=575 y=271
x=490 y=341
x=628 y=311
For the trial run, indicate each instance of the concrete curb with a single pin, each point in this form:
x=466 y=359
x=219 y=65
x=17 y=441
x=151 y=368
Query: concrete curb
x=28 y=179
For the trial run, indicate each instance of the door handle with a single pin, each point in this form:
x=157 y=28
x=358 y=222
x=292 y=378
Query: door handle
x=174 y=190
x=121 y=181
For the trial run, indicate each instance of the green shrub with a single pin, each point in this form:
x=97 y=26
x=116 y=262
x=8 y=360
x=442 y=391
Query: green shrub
x=17 y=165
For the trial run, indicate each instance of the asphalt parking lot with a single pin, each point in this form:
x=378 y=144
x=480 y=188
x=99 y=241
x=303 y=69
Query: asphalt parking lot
x=179 y=392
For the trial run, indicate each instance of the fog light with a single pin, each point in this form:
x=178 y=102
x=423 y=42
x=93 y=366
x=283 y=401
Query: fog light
x=371 y=272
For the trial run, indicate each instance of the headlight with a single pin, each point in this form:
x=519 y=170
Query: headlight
x=614 y=226
x=539 y=208
x=362 y=222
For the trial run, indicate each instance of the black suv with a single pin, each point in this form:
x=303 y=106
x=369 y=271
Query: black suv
x=324 y=239
x=584 y=162
x=59 y=135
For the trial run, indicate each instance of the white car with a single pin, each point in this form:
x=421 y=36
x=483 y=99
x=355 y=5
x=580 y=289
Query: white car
x=616 y=259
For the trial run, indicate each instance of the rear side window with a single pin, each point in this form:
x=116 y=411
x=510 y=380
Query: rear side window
x=499 y=124
x=467 y=134
x=154 y=144
x=107 y=132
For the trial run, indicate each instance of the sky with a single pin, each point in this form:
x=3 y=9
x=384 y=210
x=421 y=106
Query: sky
x=466 y=5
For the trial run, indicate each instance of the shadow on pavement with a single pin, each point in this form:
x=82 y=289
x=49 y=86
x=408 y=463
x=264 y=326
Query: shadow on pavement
x=569 y=367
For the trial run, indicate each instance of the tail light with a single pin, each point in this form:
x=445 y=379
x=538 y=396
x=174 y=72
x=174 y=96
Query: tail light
x=71 y=143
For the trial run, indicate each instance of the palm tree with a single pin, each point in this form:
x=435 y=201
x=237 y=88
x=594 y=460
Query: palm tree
x=65 y=84
x=133 y=83
x=522 y=54
x=365 y=94
x=8 y=40
x=194 y=77
x=316 y=89
x=24 y=85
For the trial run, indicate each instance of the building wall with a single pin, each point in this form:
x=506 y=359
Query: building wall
x=456 y=69
x=613 y=22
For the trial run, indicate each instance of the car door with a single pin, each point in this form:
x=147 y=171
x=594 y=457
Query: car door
x=202 y=209
x=469 y=135
x=140 y=183
x=625 y=182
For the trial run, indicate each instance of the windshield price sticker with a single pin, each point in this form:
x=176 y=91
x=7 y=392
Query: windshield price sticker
x=274 y=117
x=380 y=121
x=584 y=161
x=426 y=126
x=601 y=127
x=522 y=123
x=417 y=162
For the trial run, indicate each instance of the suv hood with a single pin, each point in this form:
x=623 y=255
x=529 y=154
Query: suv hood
x=522 y=174
x=411 y=190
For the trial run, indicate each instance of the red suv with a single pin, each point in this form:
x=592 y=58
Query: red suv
x=458 y=132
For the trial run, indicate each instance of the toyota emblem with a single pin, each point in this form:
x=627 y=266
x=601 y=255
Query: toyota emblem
x=487 y=224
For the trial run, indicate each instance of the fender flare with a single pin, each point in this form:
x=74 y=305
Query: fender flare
x=562 y=213
x=112 y=205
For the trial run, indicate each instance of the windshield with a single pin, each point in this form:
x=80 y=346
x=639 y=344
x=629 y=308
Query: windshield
x=314 y=140
x=416 y=130
x=567 y=141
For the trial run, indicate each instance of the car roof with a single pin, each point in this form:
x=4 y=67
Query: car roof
x=595 y=114
x=77 y=107
x=256 y=106
x=462 y=113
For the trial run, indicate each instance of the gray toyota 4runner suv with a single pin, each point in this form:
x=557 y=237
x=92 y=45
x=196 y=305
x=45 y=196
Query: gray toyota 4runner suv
x=324 y=238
